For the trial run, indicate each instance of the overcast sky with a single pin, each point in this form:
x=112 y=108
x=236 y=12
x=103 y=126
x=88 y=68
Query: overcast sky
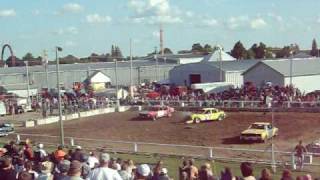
x=85 y=26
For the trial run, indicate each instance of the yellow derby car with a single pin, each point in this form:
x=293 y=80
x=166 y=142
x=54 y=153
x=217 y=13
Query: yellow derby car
x=207 y=114
x=259 y=131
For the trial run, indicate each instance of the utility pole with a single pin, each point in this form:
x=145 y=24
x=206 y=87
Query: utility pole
x=59 y=96
x=273 y=157
x=46 y=66
x=28 y=83
x=131 y=80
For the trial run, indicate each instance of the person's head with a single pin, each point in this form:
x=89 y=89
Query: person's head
x=25 y=176
x=164 y=172
x=6 y=162
x=78 y=148
x=40 y=146
x=143 y=171
x=124 y=166
x=300 y=142
x=28 y=165
x=60 y=147
x=266 y=174
x=191 y=162
x=246 y=169
x=64 y=166
x=75 y=168
x=130 y=162
x=308 y=177
x=286 y=174
x=184 y=162
x=104 y=159
x=84 y=158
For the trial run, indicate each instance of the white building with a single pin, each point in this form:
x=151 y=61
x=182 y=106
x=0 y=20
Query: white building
x=208 y=72
x=302 y=73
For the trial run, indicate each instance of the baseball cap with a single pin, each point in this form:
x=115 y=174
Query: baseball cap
x=143 y=170
x=79 y=147
x=164 y=171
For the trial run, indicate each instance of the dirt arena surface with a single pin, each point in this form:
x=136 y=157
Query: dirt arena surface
x=127 y=127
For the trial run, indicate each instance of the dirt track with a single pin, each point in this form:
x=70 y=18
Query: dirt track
x=126 y=126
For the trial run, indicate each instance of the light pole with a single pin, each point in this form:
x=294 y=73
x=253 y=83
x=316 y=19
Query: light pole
x=117 y=85
x=157 y=67
x=220 y=62
x=28 y=83
x=131 y=80
x=45 y=61
x=59 y=96
x=291 y=67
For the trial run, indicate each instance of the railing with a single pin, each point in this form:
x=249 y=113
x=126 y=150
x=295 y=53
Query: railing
x=237 y=104
x=262 y=156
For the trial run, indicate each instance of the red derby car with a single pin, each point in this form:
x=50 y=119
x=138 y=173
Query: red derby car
x=155 y=112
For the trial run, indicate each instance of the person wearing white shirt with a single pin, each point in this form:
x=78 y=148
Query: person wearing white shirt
x=104 y=172
x=92 y=160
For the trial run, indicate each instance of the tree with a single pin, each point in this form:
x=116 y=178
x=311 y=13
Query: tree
x=167 y=51
x=314 y=51
x=284 y=52
x=238 y=51
x=197 y=47
x=207 y=49
x=28 y=57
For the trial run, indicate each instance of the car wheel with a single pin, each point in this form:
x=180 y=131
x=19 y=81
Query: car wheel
x=220 y=118
x=169 y=115
x=197 y=120
x=154 y=118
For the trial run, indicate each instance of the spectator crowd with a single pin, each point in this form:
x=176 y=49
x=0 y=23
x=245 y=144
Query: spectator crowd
x=25 y=162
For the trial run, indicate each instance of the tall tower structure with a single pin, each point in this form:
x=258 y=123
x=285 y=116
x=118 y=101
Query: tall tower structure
x=161 y=40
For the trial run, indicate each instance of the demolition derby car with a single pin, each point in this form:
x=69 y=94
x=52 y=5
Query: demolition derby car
x=207 y=114
x=155 y=112
x=6 y=129
x=259 y=131
x=314 y=147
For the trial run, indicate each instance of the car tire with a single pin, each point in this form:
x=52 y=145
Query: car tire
x=169 y=115
x=220 y=118
x=154 y=118
x=197 y=120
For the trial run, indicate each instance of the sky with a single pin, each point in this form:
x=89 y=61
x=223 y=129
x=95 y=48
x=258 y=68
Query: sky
x=82 y=27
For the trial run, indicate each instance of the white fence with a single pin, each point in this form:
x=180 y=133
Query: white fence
x=237 y=104
x=263 y=156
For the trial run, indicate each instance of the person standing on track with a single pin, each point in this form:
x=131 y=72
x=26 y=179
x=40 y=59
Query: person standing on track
x=300 y=150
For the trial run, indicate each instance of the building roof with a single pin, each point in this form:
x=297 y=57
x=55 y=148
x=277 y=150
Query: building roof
x=80 y=66
x=98 y=77
x=215 y=56
x=300 y=67
x=302 y=55
x=239 y=65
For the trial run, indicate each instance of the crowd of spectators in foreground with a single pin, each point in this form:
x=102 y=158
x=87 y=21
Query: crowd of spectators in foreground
x=27 y=163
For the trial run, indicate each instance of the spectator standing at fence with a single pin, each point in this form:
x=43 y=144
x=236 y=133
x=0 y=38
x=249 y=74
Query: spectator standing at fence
x=286 y=175
x=12 y=149
x=247 y=171
x=227 y=174
x=157 y=170
x=124 y=174
x=300 y=150
x=266 y=174
x=28 y=152
x=143 y=172
x=76 y=155
x=40 y=154
x=104 y=172
x=7 y=171
x=74 y=172
x=193 y=170
x=205 y=172
x=62 y=169
x=59 y=154
x=93 y=160
x=29 y=169
x=184 y=170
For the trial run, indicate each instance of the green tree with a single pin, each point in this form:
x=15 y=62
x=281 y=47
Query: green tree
x=314 y=51
x=207 y=48
x=284 y=52
x=197 y=47
x=238 y=51
x=167 y=51
x=28 y=57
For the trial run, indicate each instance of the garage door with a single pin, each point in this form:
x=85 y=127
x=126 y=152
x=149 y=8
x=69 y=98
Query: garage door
x=195 y=78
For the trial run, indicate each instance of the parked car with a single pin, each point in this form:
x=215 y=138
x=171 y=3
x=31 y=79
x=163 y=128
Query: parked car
x=156 y=112
x=314 y=147
x=6 y=129
x=259 y=131
x=207 y=114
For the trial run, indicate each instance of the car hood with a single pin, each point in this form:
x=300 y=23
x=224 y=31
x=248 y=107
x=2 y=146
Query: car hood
x=253 y=131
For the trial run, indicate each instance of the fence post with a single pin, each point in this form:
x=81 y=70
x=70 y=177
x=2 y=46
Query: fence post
x=293 y=162
x=135 y=147
x=18 y=138
x=71 y=141
x=210 y=153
